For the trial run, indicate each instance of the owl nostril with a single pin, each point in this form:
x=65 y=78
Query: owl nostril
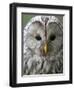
x=38 y=37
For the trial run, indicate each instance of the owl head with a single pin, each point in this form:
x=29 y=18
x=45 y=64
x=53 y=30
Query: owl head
x=44 y=35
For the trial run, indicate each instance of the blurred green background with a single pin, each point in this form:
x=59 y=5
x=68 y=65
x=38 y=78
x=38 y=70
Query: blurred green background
x=26 y=18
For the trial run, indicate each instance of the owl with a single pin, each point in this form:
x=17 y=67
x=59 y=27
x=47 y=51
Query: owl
x=43 y=46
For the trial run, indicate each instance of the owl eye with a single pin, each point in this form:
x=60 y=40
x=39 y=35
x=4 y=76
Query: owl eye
x=52 y=37
x=38 y=37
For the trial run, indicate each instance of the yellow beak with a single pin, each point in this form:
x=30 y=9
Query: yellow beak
x=45 y=48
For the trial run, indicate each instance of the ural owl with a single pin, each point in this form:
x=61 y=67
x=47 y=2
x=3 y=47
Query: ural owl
x=43 y=46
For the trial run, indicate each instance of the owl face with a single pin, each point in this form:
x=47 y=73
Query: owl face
x=44 y=35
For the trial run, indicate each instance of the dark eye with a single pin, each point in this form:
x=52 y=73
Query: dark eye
x=38 y=37
x=52 y=37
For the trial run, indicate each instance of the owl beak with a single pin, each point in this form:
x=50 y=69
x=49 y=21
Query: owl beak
x=45 y=48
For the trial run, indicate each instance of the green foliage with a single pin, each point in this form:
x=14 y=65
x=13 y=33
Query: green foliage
x=26 y=18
